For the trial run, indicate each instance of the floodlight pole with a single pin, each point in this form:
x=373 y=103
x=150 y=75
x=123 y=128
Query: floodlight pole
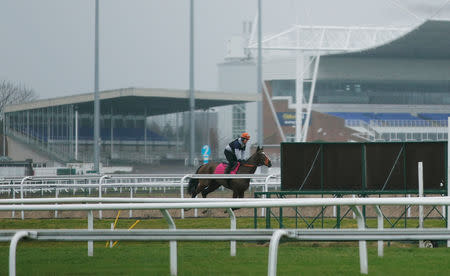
x=96 y=97
x=299 y=97
x=259 y=78
x=191 y=86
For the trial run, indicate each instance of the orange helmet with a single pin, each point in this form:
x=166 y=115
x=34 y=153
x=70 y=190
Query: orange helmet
x=245 y=135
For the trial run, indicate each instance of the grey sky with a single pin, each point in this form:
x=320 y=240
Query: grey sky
x=48 y=45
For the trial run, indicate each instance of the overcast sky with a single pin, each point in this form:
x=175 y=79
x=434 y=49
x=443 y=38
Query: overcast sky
x=48 y=45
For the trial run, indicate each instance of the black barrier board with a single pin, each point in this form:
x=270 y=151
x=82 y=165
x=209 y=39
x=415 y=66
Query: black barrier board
x=382 y=167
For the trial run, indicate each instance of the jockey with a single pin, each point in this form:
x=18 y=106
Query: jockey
x=235 y=150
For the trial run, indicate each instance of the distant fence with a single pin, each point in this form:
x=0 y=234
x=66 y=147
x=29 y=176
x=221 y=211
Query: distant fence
x=100 y=184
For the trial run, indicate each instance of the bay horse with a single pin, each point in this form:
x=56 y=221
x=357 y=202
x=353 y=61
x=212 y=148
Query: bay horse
x=238 y=186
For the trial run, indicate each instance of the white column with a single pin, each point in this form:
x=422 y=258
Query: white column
x=420 y=175
x=448 y=170
x=299 y=97
x=76 y=134
x=90 y=227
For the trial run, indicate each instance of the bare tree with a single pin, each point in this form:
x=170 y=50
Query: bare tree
x=11 y=93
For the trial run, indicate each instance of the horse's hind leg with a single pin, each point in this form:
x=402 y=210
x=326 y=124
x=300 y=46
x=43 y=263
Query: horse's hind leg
x=210 y=188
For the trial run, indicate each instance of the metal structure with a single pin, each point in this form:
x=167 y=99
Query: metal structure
x=362 y=235
x=118 y=184
x=307 y=44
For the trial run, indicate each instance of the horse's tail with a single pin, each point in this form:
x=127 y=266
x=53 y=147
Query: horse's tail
x=193 y=183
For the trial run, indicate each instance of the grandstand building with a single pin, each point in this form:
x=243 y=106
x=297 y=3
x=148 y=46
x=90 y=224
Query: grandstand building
x=136 y=124
x=356 y=83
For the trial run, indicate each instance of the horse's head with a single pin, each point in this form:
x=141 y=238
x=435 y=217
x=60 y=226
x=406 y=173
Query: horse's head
x=260 y=158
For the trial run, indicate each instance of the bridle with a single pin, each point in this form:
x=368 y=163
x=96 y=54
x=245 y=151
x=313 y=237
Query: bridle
x=266 y=162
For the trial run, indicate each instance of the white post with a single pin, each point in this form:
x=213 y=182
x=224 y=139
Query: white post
x=380 y=227
x=232 y=227
x=100 y=182
x=90 y=227
x=363 y=263
x=266 y=189
x=13 y=213
x=12 y=251
x=273 y=251
x=299 y=97
x=354 y=215
x=76 y=134
x=56 y=196
x=111 y=242
x=420 y=175
x=408 y=213
x=21 y=193
x=130 y=215
x=182 y=191
x=311 y=95
x=173 y=244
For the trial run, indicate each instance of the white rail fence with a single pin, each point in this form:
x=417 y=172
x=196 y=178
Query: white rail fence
x=117 y=183
x=95 y=204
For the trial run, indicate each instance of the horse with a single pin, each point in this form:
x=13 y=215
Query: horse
x=238 y=186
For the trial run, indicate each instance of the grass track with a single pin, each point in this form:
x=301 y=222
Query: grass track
x=208 y=258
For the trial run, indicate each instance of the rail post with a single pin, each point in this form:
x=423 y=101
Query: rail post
x=232 y=227
x=13 y=213
x=90 y=227
x=100 y=182
x=183 y=179
x=12 y=249
x=273 y=251
x=21 y=192
x=362 y=244
x=173 y=244
x=266 y=189
x=380 y=227
x=420 y=176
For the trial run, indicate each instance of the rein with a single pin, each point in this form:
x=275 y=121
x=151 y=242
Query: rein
x=248 y=165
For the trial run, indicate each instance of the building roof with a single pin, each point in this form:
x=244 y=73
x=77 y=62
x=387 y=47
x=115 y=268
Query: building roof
x=139 y=100
x=429 y=40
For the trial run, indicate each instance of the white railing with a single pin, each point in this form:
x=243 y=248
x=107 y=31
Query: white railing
x=101 y=183
x=362 y=234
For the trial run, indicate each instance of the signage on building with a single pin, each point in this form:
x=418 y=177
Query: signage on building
x=288 y=118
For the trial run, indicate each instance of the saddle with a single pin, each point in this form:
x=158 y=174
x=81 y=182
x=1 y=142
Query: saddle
x=220 y=169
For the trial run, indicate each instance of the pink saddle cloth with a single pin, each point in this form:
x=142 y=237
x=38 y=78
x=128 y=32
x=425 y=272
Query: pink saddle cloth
x=220 y=169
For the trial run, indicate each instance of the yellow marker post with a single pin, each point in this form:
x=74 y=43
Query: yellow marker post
x=112 y=228
x=131 y=227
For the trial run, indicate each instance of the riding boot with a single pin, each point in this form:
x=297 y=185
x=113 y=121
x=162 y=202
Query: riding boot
x=230 y=168
x=227 y=169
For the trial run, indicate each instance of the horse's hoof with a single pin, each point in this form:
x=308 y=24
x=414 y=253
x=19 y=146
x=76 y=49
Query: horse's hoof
x=204 y=211
x=187 y=209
